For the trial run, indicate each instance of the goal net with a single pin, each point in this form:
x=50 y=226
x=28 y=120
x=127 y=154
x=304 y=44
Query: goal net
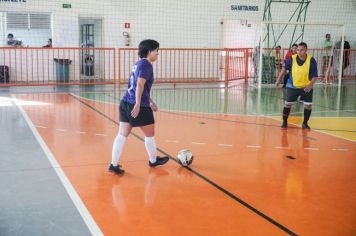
x=325 y=43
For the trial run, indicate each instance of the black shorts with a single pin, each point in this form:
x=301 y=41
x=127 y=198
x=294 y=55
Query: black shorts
x=145 y=117
x=292 y=94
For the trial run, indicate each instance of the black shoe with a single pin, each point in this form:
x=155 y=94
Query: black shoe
x=116 y=169
x=284 y=125
x=159 y=161
x=305 y=126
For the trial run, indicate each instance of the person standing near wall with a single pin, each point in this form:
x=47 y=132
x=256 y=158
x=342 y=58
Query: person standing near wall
x=327 y=46
x=278 y=59
x=346 y=57
x=11 y=41
x=289 y=55
x=49 y=43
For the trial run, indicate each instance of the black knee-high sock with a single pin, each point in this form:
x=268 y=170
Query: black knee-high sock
x=286 y=111
x=307 y=113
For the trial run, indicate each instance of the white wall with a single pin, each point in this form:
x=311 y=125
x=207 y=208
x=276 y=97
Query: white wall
x=2 y=29
x=240 y=33
x=173 y=23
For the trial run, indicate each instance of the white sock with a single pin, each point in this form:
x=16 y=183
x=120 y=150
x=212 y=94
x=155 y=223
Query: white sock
x=117 y=147
x=150 y=144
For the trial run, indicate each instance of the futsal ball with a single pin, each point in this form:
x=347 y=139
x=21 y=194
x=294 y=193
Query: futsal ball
x=185 y=157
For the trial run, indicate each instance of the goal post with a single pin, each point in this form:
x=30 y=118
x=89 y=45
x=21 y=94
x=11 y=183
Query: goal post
x=276 y=39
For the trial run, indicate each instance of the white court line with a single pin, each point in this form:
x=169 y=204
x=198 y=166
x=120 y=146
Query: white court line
x=61 y=130
x=103 y=135
x=225 y=145
x=314 y=149
x=206 y=113
x=80 y=132
x=302 y=112
x=340 y=149
x=326 y=133
x=320 y=131
x=253 y=146
x=39 y=126
x=197 y=143
x=282 y=147
x=83 y=211
x=172 y=141
x=214 y=113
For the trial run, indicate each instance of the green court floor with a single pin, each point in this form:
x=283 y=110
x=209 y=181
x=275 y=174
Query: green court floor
x=334 y=108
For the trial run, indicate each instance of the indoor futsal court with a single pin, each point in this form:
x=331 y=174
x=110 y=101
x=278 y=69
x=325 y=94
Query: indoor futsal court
x=225 y=82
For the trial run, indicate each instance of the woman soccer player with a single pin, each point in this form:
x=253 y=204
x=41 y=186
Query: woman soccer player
x=136 y=107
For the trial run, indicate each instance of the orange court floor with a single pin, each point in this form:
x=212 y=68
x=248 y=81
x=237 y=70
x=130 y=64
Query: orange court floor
x=248 y=177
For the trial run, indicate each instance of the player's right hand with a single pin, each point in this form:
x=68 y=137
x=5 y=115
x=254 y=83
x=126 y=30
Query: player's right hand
x=135 y=111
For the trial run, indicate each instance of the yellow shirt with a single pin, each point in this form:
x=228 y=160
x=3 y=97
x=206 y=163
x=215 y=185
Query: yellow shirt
x=300 y=74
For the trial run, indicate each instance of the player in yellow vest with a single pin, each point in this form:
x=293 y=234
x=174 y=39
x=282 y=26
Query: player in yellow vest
x=303 y=74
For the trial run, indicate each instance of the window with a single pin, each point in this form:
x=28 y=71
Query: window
x=40 y=21
x=32 y=29
x=17 y=21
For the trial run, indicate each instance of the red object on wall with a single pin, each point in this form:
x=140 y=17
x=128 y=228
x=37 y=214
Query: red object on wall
x=127 y=25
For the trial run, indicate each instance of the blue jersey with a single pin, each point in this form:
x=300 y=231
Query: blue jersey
x=142 y=69
x=313 y=70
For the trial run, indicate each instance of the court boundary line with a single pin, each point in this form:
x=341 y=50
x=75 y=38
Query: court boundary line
x=232 y=114
x=73 y=195
x=325 y=133
x=240 y=115
x=261 y=116
x=218 y=119
x=275 y=223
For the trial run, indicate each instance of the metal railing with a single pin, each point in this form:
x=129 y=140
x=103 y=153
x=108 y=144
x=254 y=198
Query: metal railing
x=77 y=66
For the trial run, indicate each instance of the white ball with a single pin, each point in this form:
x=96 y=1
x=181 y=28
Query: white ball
x=185 y=157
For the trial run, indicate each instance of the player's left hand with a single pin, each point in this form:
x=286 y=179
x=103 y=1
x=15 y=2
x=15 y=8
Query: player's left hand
x=308 y=88
x=153 y=106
